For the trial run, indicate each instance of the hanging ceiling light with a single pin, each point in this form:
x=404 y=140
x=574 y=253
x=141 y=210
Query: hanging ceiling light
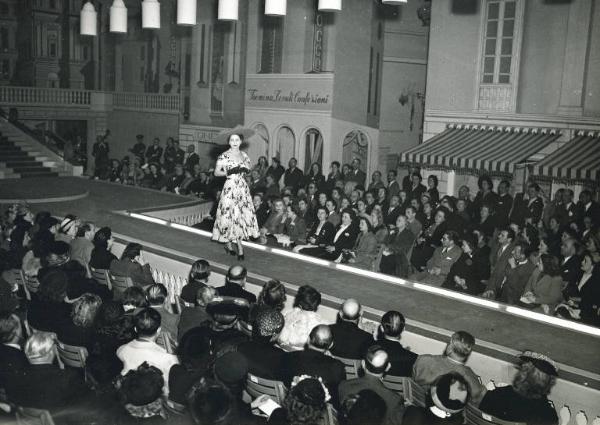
x=394 y=2
x=150 y=14
x=118 y=17
x=88 y=19
x=275 y=7
x=186 y=12
x=228 y=10
x=330 y=5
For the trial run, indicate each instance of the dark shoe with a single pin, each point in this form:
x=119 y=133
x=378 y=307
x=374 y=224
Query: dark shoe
x=240 y=257
x=229 y=251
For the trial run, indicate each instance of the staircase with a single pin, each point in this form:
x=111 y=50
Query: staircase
x=22 y=156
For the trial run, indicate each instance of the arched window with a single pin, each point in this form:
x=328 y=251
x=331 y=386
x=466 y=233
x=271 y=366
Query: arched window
x=259 y=144
x=286 y=145
x=356 y=145
x=313 y=148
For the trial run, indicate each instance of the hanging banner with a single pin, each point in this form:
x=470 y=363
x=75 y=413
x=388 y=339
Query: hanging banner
x=304 y=92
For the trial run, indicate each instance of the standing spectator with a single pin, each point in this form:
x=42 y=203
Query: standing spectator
x=526 y=400
x=393 y=187
x=568 y=211
x=432 y=188
x=334 y=176
x=527 y=208
x=133 y=265
x=570 y=265
x=154 y=152
x=315 y=176
x=407 y=180
x=376 y=182
x=416 y=189
x=486 y=195
x=429 y=367
x=349 y=341
x=588 y=208
x=503 y=204
x=388 y=336
x=356 y=174
x=139 y=149
x=293 y=176
x=276 y=170
x=191 y=158
x=169 y=155
x=101 y=162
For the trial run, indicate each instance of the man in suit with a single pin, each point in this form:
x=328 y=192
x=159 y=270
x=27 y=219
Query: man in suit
x=12 y=358
x=416 y=189
x=568 y=210
x=391 y=214
x=179 y=153
x=235 y=281
x=139 y=149
x=293 y=176
x=154 y=152
x=439 y=264
x=499 y=257
x=588 y=208
x=192 y=316
x=356 y=174
x=527 y=208
x=191 y=158
x=393 y=187
x=517 y=274
x=43 y=385
x=314 y=361
x=349 y=341
x=389 y=337
x=407 y=179
x=375 y=364
x=264 y=358
x=429 y=367
x=570 y=263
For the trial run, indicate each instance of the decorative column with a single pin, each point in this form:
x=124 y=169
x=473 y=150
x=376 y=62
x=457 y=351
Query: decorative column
x=574 y=64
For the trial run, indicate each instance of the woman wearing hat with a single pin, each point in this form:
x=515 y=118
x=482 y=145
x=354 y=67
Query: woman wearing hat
x=235 y=219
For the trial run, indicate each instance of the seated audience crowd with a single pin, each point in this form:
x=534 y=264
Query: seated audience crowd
x=143 y=355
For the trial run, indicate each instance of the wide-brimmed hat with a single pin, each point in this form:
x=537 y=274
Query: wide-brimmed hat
x=245 y=132
x=540 y=361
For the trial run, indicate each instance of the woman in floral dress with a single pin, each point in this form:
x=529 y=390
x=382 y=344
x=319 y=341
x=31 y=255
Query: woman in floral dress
x=235 y=220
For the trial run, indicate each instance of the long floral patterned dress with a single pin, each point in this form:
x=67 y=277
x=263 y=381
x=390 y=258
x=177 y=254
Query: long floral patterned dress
x=235 y=218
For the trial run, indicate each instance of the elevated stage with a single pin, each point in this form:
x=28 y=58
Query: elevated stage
x=500 y=331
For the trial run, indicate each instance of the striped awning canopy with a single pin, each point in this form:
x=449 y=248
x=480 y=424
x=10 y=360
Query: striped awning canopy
x=576 y=160
x=480 y=149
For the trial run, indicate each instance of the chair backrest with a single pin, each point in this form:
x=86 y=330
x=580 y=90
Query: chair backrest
x=119 y=283
x=19 y=278
x=352 y=366
x=417 y=395
x=398 y=384
x=100 y=276
x=30 y=416
x=474 y=416
x=256 y=386
x=72 y=355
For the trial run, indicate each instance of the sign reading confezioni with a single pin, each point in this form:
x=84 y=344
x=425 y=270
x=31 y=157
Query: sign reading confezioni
x=301 y=93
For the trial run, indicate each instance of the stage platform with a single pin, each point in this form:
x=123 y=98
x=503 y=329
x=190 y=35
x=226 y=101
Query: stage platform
x=497 y=331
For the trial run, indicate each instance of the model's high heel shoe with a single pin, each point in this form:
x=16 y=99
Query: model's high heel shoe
x=229 y=250
x=240 y=257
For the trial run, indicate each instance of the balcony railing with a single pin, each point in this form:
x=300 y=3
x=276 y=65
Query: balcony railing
x=88 y=99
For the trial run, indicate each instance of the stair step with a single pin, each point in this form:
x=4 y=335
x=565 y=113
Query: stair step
x=23 y=157
x=28 y=164
x=44 y=174
x=29 y=169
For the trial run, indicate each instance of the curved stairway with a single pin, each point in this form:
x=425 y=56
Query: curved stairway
x=16 y=161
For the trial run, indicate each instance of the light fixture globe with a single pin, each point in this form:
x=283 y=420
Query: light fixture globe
x=88 y=20
x=118 y=17
x=394 y=2
x=228 y=10
x=186 y=12
x=150 y=14
x=330 y=5
x=275 y=7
